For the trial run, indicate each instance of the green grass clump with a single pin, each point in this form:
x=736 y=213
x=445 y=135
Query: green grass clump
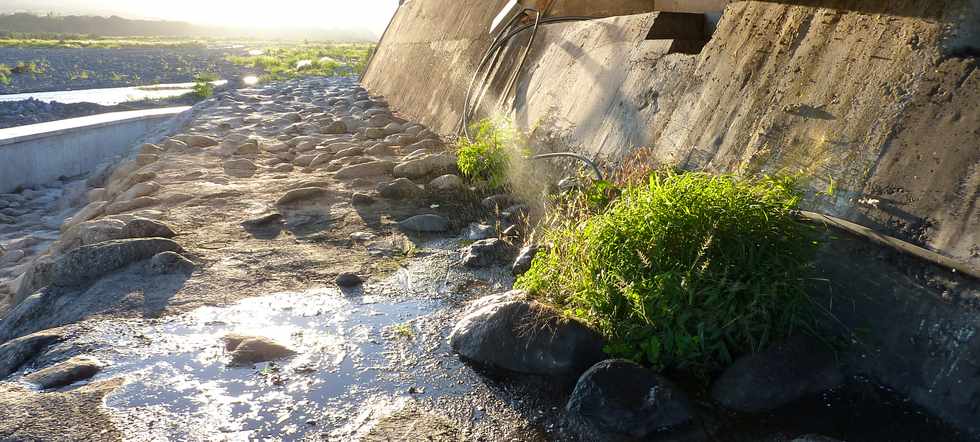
x=203 y=87
x=685 y=271
x=5 y=74
x=484 y=157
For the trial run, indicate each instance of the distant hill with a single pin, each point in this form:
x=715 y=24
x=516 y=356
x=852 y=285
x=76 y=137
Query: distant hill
x=114 y=26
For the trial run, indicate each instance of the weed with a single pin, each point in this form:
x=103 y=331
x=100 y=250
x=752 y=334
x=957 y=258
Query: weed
x=28 y=68
x=5 y=72
x=485 y=158
x=203 y=86
x=404 y=330
x=684 y=271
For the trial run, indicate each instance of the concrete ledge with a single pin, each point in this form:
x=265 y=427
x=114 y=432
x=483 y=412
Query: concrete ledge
x=41 y=153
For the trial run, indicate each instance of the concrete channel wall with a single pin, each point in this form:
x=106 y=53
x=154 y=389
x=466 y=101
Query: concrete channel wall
x=874 y=102
x=41 y=153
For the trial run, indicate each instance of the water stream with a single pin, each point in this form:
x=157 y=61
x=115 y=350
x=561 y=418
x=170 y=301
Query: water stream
x=109 y=96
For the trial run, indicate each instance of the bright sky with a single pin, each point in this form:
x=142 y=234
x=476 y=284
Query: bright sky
x=371 y=14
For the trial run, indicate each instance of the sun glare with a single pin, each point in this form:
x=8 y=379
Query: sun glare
x=371 y=14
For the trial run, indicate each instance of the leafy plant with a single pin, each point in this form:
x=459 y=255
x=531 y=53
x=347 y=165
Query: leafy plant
x=203 y=87
x=485 y=156
x=5 y=74
x=685 y=271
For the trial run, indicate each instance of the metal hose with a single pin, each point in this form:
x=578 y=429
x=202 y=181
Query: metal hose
x=497 y=44
x=588 y=162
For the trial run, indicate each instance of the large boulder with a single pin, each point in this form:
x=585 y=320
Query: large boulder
x=91 y=262
x=425 y=224
x=66 y=373
x=511 y=333
x=619 y=400
x=780 y=375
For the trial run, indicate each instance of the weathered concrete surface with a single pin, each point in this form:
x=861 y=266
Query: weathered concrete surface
x=40 y=153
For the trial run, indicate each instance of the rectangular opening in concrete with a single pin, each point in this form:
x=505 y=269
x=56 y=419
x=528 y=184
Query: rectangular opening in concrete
x=689 y=32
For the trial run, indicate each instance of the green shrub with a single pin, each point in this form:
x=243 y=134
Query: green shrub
x=484 y=158
x=686 y=271
x=202 y=85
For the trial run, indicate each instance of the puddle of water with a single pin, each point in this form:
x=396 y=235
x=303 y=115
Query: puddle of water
x=109 y=96
x=180 y=387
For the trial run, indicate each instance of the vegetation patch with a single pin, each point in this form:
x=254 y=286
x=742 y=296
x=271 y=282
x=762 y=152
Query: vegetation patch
x=326 y=60
x=681 y=271
x=204 y=85
x=485 y=157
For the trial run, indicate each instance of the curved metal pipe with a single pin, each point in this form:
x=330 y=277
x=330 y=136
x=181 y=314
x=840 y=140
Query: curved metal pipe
x=598 y=173
x=492 y=53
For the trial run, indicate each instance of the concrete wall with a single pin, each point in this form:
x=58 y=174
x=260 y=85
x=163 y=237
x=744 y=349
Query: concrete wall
x=41 y=153
x=875 y=102
x=860 y=97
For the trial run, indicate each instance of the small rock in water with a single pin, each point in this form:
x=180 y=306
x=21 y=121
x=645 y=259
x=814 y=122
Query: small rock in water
x=425 y=224
x=248 y=350
x=619 y=400
x=348 y=280
x=66 y=373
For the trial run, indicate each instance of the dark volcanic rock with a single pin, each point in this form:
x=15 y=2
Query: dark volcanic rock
x=619 y=400
x=348 y=280
x=525 y=336
x=782 y=374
